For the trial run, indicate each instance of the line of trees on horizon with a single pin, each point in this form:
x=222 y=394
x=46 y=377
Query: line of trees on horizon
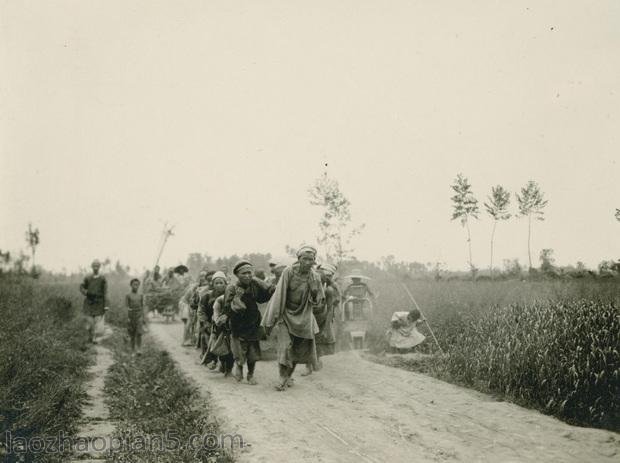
x=531 y=204
x=337 y=231
x=196 y=261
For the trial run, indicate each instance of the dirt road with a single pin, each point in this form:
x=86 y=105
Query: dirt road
x=358 y=411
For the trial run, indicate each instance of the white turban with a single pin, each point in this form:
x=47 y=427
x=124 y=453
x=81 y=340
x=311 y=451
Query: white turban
x=306 y=249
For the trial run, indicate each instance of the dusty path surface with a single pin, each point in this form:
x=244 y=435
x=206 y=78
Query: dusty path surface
x=95 y=429
x=358 y=411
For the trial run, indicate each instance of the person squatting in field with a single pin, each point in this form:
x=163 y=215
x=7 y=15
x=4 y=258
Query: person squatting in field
x=290 y=314
x=241 y=305
x=403 y=335
x=95 y=289
x=135 y=316
x=205 y=315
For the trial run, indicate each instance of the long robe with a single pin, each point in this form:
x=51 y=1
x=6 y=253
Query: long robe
x=293 y=323
x=325 y=314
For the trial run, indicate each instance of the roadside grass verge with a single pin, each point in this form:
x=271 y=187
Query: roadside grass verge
x=157 y=410
x=44 y=355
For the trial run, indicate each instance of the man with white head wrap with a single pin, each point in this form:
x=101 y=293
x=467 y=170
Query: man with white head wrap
x=290 y=314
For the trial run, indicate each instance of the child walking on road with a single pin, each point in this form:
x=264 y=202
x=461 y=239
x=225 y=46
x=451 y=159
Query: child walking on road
x=135 y=314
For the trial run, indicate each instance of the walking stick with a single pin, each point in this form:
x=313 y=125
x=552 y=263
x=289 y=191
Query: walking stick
x=420 y=310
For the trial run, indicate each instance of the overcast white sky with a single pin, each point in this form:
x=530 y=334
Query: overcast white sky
x=218 y=115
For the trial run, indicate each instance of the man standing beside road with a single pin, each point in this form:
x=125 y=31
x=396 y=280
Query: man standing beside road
x=95 y=289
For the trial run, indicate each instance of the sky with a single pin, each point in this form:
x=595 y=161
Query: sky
x=217 y=116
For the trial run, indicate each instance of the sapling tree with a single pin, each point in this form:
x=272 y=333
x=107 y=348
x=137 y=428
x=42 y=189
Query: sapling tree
x=497 y=208
x=335 y=227
x=465 y=207
x=531 y=204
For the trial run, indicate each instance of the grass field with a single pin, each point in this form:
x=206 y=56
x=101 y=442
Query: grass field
x=43 y=359
x=150 y=399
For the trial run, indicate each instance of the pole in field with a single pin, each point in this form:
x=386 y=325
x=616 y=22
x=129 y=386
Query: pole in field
x=166 y=233
x=421 y=313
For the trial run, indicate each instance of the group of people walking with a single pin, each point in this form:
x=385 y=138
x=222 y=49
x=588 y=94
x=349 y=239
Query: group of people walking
x=222 y=314
x=223 y=318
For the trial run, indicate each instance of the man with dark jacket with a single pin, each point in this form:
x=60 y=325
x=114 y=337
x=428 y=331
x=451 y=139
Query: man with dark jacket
x=95 y=288
x=241 y=304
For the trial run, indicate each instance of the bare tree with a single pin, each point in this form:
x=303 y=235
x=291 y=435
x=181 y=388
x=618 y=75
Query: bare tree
x=497 y=208
x=531 y=204
x=465 y=206
x=336 y=228
x=32 y=239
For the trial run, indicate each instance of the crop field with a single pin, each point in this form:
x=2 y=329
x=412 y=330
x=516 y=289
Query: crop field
x=551 y=345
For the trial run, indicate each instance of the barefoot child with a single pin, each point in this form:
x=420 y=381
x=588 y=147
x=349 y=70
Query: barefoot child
x=135 y=312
